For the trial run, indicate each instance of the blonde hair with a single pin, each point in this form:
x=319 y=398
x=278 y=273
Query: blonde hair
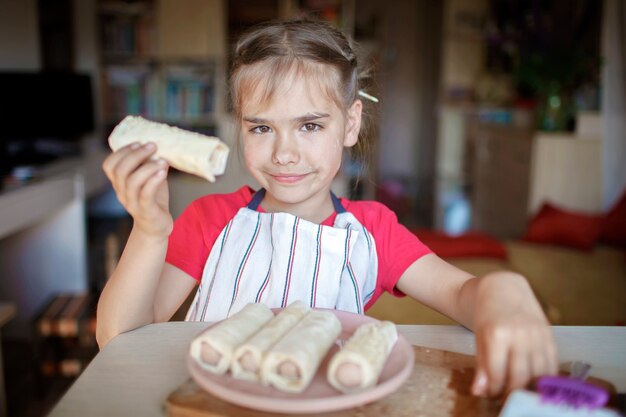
x=270 y=53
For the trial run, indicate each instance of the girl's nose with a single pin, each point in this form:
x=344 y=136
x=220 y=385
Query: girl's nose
x=285 y=150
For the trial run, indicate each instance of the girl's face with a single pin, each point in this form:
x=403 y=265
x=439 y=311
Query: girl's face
x=293 y=145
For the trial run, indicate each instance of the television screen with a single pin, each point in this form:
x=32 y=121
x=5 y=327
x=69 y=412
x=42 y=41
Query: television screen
x=43 y=115
x=57 y=105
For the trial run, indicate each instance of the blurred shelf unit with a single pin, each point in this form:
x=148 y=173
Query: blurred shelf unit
x=497 y=170
x=483 y=169
x=499 y=164
x=164 y=60
x=175 y=93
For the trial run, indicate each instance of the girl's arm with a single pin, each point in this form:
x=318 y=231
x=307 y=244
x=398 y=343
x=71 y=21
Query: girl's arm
x=514 y=342
x=142 y=289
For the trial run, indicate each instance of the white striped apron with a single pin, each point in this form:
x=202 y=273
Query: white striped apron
x=278 y=258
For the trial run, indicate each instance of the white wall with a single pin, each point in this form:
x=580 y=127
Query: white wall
x=19 y=35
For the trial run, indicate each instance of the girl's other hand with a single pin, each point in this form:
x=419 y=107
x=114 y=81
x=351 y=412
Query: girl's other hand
x=140 y=183
x=514 y=342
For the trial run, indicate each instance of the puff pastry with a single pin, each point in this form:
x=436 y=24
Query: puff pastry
x=291 y=364
x=359 y=363
x=191 y=152
x=213 y=349
x=247 y=359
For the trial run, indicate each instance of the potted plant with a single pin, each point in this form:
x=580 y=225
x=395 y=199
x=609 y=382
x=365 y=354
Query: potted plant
x=552 y=49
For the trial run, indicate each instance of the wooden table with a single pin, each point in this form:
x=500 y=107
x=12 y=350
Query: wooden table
x=136 y=371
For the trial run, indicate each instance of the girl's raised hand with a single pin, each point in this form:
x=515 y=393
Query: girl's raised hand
x=514 y=342
x=140 y=184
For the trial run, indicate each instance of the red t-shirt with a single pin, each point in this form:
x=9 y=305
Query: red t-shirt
x=197 y=228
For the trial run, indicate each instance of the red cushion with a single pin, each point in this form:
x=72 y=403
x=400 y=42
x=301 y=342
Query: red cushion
x=614 y=224
x=554 y=225
x=463 y=246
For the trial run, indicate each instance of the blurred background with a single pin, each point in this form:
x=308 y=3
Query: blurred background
x=499 y=139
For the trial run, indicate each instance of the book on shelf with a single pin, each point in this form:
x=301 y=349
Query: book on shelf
x=126 y=29
x=189 y=92
x=132 y=89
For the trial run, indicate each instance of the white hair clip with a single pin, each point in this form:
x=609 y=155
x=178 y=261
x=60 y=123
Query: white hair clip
x=367 y=96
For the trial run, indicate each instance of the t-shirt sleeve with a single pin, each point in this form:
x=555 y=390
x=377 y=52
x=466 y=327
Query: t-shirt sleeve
x=199 y=226
x=187 y=248
x=397 y=248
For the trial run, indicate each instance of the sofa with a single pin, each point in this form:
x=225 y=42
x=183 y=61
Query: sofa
x=574 y=287
x=575 y=262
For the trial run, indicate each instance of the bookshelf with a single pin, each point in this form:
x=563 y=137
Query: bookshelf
x=143 y=72
x=166 y=60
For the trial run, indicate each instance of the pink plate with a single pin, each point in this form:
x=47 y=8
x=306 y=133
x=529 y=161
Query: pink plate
x=320 y=396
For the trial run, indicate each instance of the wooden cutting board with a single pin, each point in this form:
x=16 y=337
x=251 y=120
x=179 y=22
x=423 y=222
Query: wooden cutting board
x=439 y=386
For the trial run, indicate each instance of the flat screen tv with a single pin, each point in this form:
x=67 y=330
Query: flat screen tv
x=40 y=111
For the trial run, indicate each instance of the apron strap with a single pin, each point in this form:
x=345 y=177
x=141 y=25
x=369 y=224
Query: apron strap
x=258 y=197
x=339 y=208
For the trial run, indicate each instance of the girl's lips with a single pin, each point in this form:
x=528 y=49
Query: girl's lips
x=288 y=178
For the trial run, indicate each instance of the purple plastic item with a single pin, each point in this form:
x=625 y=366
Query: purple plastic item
x=570 y=391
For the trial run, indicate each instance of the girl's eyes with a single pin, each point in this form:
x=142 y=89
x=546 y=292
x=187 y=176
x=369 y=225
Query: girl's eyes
x=311 y=127
x=260 y=129
x=307 y=127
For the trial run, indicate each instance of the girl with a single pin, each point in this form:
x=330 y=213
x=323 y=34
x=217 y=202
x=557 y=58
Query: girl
x=295 y=93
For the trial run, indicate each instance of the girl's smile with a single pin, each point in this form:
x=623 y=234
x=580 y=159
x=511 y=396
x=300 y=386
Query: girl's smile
x=288 y=178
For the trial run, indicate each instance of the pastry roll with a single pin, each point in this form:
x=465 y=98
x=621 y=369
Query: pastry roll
x=291 y=364
x=359 y=363
x=191 y=152
x=213 y=349
x=247 y=359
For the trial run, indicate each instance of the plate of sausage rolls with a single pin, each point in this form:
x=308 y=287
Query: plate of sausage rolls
x=299 y=359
